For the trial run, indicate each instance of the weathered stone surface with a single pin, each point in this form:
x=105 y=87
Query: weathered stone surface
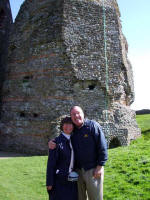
x=5 y=25
x=56 y=60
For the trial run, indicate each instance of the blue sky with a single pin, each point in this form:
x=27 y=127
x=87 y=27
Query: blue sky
x=135 y=17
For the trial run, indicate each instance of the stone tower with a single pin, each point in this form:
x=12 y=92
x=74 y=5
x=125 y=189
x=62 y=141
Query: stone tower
x=64 y=53
x=5 y=25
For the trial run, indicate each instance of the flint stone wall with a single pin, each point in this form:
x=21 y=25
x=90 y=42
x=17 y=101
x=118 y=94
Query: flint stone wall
x=56 y=60
x=5 y=25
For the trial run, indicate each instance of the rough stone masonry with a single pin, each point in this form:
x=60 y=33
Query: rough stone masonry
x=57 y=58
x=5 y=25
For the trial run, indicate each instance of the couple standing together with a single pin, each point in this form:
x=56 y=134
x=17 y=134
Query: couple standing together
x=85 y=153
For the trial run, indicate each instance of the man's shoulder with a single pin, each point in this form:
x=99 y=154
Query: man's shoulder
x=91 y=122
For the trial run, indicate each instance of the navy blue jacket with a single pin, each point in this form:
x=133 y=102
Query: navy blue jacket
x=58 y=160
x=89 y=145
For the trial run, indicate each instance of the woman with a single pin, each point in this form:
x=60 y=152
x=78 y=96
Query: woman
x=60 y=165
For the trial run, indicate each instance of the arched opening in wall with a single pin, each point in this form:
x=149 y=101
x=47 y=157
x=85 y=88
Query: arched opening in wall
x=2 y=18
x=114 y=143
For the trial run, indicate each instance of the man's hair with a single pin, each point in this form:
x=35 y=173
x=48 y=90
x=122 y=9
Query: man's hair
x=74 y=107
x=65 y=120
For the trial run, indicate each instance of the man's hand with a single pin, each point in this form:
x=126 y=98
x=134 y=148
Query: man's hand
x=49 y=187
x=51 y=144
x=98 y=171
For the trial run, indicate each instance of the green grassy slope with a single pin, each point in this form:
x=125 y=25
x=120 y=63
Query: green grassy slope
x=127 y=172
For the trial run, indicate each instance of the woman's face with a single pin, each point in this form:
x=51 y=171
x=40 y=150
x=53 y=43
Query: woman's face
x=67 y=128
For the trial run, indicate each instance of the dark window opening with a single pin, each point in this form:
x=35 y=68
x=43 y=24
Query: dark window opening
x=114 y=143
x=28 y=77
x=12 y=47
x=91 y=87
x=2 y=18
x=35 y=115
x=22 y=114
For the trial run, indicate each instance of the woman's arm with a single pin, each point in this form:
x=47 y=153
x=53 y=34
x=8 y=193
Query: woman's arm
x=51 y=168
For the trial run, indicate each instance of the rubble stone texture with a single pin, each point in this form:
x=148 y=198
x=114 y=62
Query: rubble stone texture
x=57 y=60
x=5 y=25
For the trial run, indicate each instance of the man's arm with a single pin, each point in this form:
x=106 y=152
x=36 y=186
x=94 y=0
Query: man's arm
x=101 y=146
x=52 y=144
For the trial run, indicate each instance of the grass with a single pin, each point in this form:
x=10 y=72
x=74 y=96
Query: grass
x=23 y=178
x=143 y=122
x=127 y=172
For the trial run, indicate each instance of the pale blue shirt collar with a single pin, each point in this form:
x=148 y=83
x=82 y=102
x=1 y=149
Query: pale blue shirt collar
x=67 y=136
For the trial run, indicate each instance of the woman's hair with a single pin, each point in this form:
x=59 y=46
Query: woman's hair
x=65 y=120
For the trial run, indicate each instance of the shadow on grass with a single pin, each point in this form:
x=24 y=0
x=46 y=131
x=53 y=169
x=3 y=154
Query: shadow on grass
x=5 y=155
x=146 y=134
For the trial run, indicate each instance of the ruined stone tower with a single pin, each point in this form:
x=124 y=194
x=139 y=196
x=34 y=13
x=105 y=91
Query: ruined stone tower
x=64 y=53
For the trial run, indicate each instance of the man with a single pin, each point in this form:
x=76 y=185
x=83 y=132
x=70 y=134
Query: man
x=90 y=153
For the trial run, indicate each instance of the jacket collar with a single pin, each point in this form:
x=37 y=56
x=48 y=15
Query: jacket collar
x=67 y=136
x=62 y=136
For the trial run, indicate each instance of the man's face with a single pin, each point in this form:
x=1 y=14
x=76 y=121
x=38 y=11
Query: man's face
x=77 y=116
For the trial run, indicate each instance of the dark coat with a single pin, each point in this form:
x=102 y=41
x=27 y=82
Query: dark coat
x=58 y=170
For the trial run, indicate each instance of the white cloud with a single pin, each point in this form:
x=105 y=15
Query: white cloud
x=141 y=71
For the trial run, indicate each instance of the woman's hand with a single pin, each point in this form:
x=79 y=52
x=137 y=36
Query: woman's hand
x=49 y=187
x=51 y=144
